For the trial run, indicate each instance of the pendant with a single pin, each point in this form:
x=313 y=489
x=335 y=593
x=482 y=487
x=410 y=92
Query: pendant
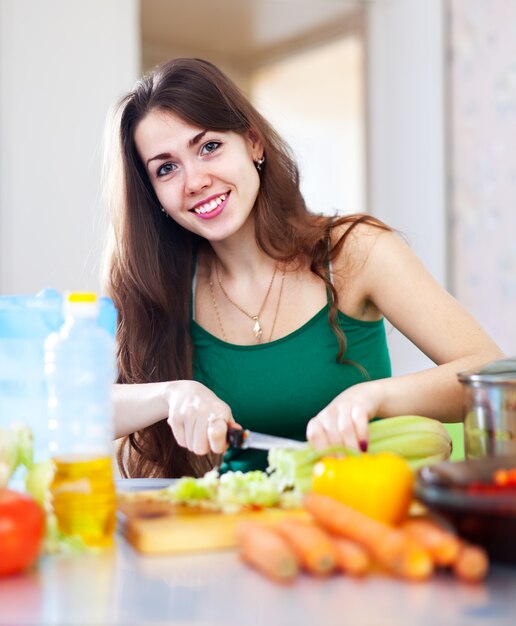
x=257 y=329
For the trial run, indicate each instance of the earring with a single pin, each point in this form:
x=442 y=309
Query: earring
x=259 y=162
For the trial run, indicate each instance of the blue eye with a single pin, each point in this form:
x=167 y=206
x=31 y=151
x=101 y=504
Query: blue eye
x=210 y=147
x=165 y=169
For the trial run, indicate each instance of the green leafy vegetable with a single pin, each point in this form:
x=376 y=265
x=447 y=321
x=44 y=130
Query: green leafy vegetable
x=288 y=476
x=37 y=482
x=16 y=450
x=251 y=488
x=192 y=490
x=229 y=492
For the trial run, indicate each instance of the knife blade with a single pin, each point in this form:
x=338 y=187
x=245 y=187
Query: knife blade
x=243 y=439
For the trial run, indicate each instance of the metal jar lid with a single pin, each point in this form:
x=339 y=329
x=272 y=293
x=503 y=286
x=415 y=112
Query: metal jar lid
x=502 y=371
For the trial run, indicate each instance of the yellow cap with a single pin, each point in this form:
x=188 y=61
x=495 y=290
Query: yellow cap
x=77 y=296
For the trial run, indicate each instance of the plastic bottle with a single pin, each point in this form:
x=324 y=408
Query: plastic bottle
x=79 y=371
x=25 y=322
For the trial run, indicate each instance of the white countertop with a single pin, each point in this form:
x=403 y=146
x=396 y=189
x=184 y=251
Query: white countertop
x=126 y=588
x=123 y=587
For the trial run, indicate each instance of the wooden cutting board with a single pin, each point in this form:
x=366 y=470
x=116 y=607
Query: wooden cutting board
x=157 y=527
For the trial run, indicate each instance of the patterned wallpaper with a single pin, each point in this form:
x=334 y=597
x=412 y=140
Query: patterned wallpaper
x=482 y=162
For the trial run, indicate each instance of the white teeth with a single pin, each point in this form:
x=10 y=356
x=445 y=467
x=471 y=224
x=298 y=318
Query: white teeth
x=210 y=206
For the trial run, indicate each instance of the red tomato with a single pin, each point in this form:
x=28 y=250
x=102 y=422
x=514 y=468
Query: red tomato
x=22 y=525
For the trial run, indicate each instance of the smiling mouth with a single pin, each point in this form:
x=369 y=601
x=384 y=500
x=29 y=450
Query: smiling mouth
x=211 y=205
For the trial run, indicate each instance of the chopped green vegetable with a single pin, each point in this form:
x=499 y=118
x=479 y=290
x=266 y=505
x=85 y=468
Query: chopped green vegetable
x=190 y=489
x=16 y=450
x=229 y=492
x=37 y=482
x=251 y=488
x=288 y=476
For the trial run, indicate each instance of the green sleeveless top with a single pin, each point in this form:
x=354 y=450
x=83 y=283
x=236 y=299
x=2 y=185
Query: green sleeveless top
x=277 y=387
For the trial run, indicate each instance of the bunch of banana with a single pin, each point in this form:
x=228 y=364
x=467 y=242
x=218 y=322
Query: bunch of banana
x=419 y=440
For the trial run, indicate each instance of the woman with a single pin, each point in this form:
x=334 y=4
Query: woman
x=238 y=306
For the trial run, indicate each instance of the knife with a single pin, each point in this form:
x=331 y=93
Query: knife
x=243 y=439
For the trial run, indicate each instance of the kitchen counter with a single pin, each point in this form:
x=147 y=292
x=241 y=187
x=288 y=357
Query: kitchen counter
x=124 y=587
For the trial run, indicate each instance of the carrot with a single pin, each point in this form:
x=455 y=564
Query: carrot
x=391 y=547
x=352 y=558
x=472 y=563
x=265 y=549
x=312 y=545
x=442 y=545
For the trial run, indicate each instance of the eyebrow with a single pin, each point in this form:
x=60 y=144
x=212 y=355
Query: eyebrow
x=166 y=155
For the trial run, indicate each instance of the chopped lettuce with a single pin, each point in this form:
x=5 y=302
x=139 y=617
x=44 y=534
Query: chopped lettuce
x=287 y=478
x=251 y=488
x=37 y=482
x=16 y=450
x=230 y=492
x=190 y=489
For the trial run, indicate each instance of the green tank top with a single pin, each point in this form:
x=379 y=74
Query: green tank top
x=277 y=387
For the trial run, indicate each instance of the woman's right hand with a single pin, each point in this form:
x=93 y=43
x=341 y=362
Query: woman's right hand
x=198 y=418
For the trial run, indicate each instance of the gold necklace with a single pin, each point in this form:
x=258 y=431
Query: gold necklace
x=257 y=327
x=277 y=304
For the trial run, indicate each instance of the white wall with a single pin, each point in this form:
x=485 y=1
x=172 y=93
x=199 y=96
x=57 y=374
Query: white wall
x=482 y=162
x=407 y=170
x=322 y=119
x=63 y=63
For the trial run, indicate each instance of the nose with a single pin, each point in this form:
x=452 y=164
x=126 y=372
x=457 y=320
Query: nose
x=196 y=178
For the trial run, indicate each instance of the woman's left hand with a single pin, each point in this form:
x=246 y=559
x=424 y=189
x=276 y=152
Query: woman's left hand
x=345 y=421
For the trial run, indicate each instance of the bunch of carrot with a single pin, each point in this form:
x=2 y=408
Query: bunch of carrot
x=338 y=538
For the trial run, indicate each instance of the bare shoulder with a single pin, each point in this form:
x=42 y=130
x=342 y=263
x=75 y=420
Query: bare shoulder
x=355 y=242
x=360 y=250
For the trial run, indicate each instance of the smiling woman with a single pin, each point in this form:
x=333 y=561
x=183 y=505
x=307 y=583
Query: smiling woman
x=197 y=173
x=240 y=307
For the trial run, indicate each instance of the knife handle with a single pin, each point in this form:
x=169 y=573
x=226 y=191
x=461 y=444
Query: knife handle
x=236 y=437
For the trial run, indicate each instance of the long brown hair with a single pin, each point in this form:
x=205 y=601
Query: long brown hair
x=150 y=260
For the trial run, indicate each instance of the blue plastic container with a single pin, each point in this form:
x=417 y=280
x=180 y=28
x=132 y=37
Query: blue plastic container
x=25 y=322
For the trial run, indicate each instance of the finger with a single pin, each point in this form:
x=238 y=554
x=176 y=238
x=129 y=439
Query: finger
x=189 y=420
x=316 y=433
x=338 y=426
x=346 y=429
x=177 y=426
x=218 y=423
x=182 y=419
x=217 y=434
x=199 y=441
x=361 y=424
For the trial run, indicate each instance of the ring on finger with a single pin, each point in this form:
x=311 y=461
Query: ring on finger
x=212 y=418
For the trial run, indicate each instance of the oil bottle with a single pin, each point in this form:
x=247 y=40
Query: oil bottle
x=79 y=371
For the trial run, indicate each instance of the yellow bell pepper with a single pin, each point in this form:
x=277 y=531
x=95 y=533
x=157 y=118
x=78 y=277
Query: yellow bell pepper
x=379 y=485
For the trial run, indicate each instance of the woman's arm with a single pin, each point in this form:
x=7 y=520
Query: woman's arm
x=389 y=279
x=410 y=298
x=138 y=406
x=197 y=417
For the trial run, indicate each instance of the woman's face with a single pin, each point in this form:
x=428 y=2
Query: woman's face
x=205 y=180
